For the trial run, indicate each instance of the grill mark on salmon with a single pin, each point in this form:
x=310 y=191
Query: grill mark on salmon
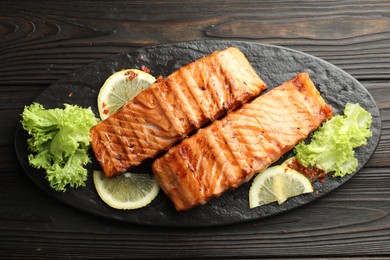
x=169 y=110
x=230 y=151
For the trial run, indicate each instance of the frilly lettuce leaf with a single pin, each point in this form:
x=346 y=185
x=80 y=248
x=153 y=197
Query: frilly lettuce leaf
x=59 y=142
x=331 y=147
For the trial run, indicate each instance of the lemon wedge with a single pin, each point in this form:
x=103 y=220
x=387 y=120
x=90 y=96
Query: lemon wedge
x=277 y=184
x=120 y=88
x=126 y=191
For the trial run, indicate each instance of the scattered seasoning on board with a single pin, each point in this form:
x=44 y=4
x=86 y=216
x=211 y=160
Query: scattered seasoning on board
x=312 y=173
x=145 y=69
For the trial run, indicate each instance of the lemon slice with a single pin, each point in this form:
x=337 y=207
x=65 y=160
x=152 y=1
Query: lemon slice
x=277 y=184
x=120 y=88
x=126 y=191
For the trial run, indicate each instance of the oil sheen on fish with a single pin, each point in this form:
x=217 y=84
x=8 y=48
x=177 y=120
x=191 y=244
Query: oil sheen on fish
x=229 y=151
x=170 y=109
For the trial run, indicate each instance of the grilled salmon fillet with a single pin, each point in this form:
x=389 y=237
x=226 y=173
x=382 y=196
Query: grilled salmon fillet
x=169 y=110
x=229 y=151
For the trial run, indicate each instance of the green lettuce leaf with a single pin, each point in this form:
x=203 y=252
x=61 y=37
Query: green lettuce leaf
x=59 y=142
x=331 y=147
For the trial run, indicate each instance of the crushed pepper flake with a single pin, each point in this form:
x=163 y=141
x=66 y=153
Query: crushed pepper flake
x=131 y=74
x=145 y=69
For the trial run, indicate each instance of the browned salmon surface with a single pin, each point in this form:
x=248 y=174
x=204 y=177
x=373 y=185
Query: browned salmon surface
x=229 y=151
x=170 y=109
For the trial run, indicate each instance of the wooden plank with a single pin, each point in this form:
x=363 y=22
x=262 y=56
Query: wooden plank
x=380 y=92
x=335 y=225
x=53 y=40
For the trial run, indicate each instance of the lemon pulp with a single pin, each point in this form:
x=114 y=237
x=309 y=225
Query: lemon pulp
x=126 y=191
x=120 y=88
x=277 y=184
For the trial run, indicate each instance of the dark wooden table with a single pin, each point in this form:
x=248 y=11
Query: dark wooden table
x=42 y=41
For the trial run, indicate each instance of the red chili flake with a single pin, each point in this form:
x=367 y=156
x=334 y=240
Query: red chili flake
x=105 y=111
x=104 y=105
x=145 y=69
x=131 y=75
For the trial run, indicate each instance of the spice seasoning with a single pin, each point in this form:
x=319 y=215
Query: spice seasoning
x=145 y=69
x=310 y=172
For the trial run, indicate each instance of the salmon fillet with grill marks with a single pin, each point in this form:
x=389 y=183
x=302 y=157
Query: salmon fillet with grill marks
x=170 y=109
x=228 y=152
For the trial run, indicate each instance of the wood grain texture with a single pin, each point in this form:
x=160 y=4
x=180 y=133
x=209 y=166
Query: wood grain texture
x=52 y=40
x=42 y=41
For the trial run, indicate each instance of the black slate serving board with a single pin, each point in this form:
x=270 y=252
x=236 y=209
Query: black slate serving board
x=274 y=65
